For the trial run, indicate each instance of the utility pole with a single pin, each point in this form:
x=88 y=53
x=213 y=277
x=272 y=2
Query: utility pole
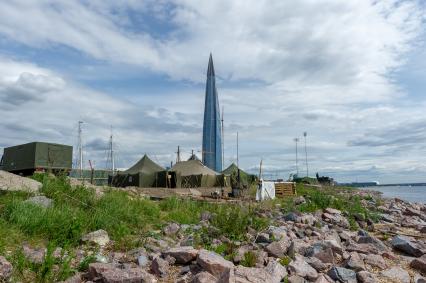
x=80 y=149
x=238 y=163
x=306 y=155
x=111 y=153
x=178 y=155
x=223 y=140
x=296 y=140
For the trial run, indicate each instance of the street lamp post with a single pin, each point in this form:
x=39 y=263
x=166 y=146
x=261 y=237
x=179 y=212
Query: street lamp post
x=296 y=140
x=306 y=155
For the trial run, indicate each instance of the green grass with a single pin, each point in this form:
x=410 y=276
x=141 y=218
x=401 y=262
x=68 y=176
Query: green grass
x=51 y=269
x=249 y=259
x=334 y=197
x=129 y=220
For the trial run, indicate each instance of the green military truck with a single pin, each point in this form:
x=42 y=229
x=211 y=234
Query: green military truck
x=25 y=159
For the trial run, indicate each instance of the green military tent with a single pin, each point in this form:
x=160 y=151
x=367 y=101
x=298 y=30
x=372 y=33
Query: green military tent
x=193 y=174
x=145 y=173
x=245 y=178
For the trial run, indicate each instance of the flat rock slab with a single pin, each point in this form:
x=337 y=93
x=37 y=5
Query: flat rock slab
x=182 y=255
x=407 y=245
x=343 y=275
x=213 y=263
x=301 y=268
x=12 y=182
x=109 y=273
x=99 y=237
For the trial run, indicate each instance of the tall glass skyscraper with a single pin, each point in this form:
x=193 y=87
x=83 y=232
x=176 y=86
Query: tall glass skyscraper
x=212 y=133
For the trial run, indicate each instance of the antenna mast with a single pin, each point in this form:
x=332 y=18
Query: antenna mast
x=306 y=155
x=223 y=140
x=80 y=149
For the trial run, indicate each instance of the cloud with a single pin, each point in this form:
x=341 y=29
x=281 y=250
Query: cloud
x=326 y=67
x=401 y=135
x=29 y=87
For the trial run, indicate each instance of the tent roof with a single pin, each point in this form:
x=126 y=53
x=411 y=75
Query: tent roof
x=192 y=167
x=194 y=157
x=233 y=168
x=144 y=165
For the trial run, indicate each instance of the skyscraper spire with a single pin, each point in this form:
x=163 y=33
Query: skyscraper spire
x=212 y=131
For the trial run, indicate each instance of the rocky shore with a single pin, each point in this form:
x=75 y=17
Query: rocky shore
x=321 y=246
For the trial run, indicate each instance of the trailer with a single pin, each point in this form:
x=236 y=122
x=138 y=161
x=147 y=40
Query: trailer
x=26 y=159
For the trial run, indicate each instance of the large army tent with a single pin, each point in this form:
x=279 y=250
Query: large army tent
x=245 y=178
x=193 y=174
x=145 y=173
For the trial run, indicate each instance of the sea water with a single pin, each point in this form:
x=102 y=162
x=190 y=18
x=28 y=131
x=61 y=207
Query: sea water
x=411 y=194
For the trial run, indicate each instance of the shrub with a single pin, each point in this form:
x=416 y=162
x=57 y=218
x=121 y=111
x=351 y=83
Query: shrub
x=249 y=259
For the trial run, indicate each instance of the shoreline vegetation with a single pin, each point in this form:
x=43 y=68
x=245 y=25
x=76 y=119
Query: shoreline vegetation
x=328 y=234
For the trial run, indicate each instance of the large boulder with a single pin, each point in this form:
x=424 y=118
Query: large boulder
x=12 y=182
x=34 y=255
x=274 y=272
x=160 y=267
x=419 y=264
x=204 y=277
x=407 y=245
x=342 y=275
x=336 y=219
x=366 y=277
x=355 y=262
x=375 y=261
x=278 y=249
x=99 y=237
x=396 y=274
x=171 y=229
x=5 y=269
x=109 y=273
x=40 y=201
x=321 y=251
x=213 y=263
x=182 y=255
x=301 y=268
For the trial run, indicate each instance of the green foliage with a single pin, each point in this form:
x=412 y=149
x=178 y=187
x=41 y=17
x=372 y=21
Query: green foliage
x=183 y=211
x=221 y=249
x=234 y=221
x=84 y=264
x=249 y=259
x=285 y=261
x=51 y=269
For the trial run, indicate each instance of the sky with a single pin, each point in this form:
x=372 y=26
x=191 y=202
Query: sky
x=349 y=73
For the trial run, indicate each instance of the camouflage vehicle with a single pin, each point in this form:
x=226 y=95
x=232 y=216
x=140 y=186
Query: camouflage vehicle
x=25 y=159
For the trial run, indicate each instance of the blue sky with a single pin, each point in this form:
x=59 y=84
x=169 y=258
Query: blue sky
x=350 y=73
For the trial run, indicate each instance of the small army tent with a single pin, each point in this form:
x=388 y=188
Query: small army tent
x=145 y=173
x=193 y=174
x=245 y=178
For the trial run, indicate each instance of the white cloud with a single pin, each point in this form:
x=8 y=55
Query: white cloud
x=322 y=66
